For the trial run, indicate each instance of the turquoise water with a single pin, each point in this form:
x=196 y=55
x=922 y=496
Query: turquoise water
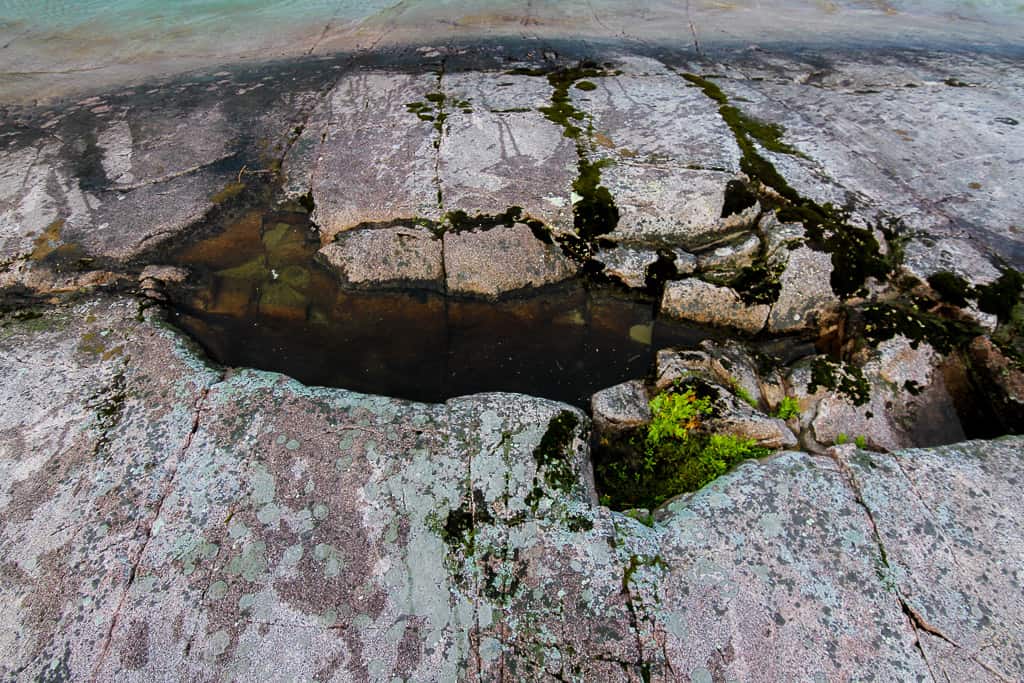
x=88 y=44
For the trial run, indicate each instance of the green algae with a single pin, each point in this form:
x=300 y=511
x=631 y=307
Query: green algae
x=594 y=210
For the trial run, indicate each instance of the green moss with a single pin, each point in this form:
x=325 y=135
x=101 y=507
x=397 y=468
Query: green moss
x=459 y=529
x=950 y=287
x=673 y=456
x=586 y=86
x=1002 y=296
x=885 y=321
x=554 y=454
x=845 y=379
x=788 y=407
x=595 y=213
x=856 y=252
x=759 y=283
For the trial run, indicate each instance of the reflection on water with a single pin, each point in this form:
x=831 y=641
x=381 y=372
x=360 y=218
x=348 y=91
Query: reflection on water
x=257 y=298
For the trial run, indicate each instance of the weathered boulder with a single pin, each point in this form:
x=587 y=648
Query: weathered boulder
x=620 y=408
x=397 y=256
x=898 y=397
x=159 y=515
x=704 y=303
x=489 y=263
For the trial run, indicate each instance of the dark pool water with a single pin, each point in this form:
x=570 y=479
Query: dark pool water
x=257 y=298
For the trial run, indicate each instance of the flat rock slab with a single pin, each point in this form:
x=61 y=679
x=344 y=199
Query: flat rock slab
x=159 y=517
x=708 y=304
x=365 y=157
x=773 y=575
x=386 y=257
x=939 y=153
x=501 y=260
x=947 y=518
x=502 y=152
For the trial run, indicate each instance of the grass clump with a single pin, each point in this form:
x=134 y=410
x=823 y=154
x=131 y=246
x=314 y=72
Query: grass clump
x=672 y=456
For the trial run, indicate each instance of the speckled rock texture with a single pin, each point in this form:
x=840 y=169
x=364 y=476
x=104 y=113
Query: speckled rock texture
x=489 y=263
x=396 y=256
x=708 y=304
x=160 y=518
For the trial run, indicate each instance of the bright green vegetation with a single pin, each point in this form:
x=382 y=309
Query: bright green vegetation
x=861 y=442
x=672 y=456
x=788 y=407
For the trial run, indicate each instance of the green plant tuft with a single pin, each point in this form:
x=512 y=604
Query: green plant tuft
x=672 y=456
x=788 y=407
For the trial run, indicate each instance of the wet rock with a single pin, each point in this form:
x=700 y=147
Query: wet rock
x=701 y=302
x=489 y=263
x=620 y=408
x=725 y=261
x=398 y=256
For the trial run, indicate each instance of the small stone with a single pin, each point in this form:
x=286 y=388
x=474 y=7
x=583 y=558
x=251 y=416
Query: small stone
x=620 y=408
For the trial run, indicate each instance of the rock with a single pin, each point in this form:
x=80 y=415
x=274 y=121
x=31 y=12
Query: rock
x=752 y=561
x=628 y=266
x=364 y=156
x=669 y=207
x=386 y=257
x=620 y=408
x=159 y=515
x=500 y=151
x=490 y=263
x=700 y=302
x=729 y=259
x=924 y=256
x=746 y=423
x=806 y=299
x=672 y=366
x=899 y=398
x=163 y=274
x=944 y=521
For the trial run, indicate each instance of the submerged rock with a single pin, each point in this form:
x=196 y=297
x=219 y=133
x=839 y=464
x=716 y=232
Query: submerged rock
x=386 y=257
x=490 y=263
